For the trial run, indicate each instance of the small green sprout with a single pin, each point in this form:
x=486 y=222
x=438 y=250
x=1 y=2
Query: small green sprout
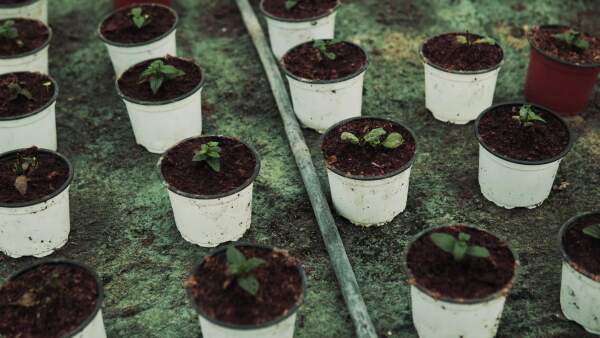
x=241 y=270
x=157 y=72
x=211 y=153
x=139 y=18
x=374 y=138
x=572 y=38
x=23 y=167
x=463 y=40
x=323 y=46
x=15 y=91
x=460 y=247
x=593 y=231
x=527 y=116
x=8 y=30
x=290 y=4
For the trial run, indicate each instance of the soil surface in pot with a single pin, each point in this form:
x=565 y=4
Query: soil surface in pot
x=32 y=35
x=506 y=136
x=583 y=250
x=130 y=84
x=119 y=26
x=364 y=159
x=308 y=62
x=542 y=38
x=472 y=278
x=280 y=288
x=12 y=2
x=49 y=176
x=447 y=53
x=40 y=86
x=237 y=167
x=49 y=301
x=304 y=9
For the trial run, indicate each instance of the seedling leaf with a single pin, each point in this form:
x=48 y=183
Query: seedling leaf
x=241 y=269
x=527 y=116
x=593 y=231
x=139 y=19
x=460 y=247
x=374 y=136
x=249 y=284
x=393 y=141
x=290 y=4
x=572 y=38
x=15 y=90
x=157 y=73
x=349 y=138
x=8 y=30
x=461 y=39
x=211 y=153
x=443 y=241
x=323 y=46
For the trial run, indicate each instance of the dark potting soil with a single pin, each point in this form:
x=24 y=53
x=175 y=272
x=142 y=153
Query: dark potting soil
x=120 y=28
x=543 y=39
x=540 y=141
x=583 y=250
x=40 y=86
x=237 y=167
x=280 y=288
x=304 y=9
x=307 y=62
x=365 y=160
x=472 y=278
x=47 y=302
x=50 y=175
x=12 y=2
x=130 y=85
x=445 y=52
x=32 y=35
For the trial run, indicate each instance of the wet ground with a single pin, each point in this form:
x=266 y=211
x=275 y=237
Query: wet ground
x=123 y=226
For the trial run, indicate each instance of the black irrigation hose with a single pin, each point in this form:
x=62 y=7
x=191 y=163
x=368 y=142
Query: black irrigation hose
x=331 y=237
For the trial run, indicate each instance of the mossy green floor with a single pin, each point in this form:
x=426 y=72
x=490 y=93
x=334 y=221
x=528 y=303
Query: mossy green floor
x=123 y=226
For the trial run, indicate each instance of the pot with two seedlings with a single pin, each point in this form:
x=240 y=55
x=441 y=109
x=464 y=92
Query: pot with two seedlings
x=31 y=9
x=24 y=45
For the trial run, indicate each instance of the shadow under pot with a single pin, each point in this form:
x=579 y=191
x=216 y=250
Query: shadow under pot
x=27 y=111
x=265 y=309
x=520 y=150
x=461 y=70
x=326 y=81
x=305 y=21
x=368 y=162
x=151 y=35
x=555 y=65
x=124 y=3
x=32 y=9
x=460 y=277
x=34 y=202
x=580 y=287
x=164 y=101
x=52 y=299
x=210 y=181
x=27 y=47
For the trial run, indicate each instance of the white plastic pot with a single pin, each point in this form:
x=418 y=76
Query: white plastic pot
x=125 y=55
x=33 y=61
x=511 y=183
x=209 y=220
x=34 y=9
x=458 y=96
x=36 y=228
x=37 y=128
x=580 y=290
x=287 y=33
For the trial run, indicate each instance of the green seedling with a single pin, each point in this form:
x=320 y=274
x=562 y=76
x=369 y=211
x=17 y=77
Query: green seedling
x=241 y=270
x=593 y=231
x=458 y=247
x=139 y=18
x=463 y=40
x=8 y=30
x=23 y=167
x=573 y=38
x=527 y=116
x=157 y=73
x=374 y=138
x=211 y=153
x=323 y=47
x=290 y=4
x=15 y=91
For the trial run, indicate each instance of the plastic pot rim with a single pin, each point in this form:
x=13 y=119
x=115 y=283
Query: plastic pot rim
x=471 y=301
x=137 y=44
x=92 y=272
x=362 y=177
x=39 y=110
x=557 y=59
x=215 y=196
x=291 y=311
x=13 y=153
x=313 y=18
x=563 y=230
x=562 y=154
x=18 y=5
x=33 y=51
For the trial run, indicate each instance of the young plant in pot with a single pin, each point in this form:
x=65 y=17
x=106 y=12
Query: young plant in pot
x=164 y=101
x=210 y=181
x=368 y=163
x=125 y=3
x=34 y=202
x=461 y=70
x=520 y=149
x=27 y=111
x=52 y=299
x=293 y=22
x=137 y=33
x=562 y=57
x=580 y=287
x=248 y=291
x=460 y=277
x=326 y=81
x=31 y=9
x=24 y=45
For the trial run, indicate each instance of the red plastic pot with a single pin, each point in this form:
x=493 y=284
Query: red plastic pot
x=123 y=3
x=559 y=85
